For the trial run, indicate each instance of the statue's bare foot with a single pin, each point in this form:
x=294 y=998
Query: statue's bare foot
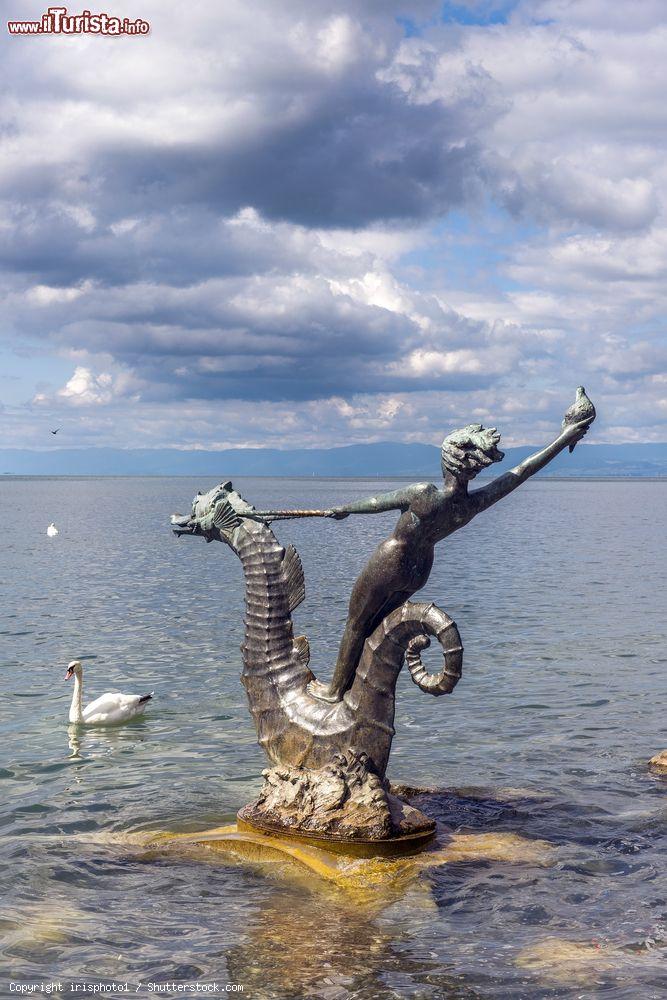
x=321 y=691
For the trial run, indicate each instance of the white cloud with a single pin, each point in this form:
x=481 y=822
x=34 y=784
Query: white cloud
x=86 y=388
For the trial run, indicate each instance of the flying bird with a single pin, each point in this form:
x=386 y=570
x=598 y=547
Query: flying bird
x=581 y=409
x=56 y=430
x=109 y=709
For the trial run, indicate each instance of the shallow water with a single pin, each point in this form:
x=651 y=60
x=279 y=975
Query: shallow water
x=559 y=596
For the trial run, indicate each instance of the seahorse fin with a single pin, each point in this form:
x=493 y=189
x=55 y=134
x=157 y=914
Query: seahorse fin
x=302 y=649
x=294 y=578
x=225 y=518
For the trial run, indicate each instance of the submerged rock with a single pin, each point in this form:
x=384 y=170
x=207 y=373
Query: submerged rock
x=567 y=961
x=658 y=764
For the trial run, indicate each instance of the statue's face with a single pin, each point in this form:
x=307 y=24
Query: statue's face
x=469 y=474
x=465 y=475
x=466 y=452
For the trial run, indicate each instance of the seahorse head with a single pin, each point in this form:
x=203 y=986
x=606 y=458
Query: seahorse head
x=215 y=514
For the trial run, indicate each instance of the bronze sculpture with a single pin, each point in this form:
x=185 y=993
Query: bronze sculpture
x=400 y=566
x=330 y=746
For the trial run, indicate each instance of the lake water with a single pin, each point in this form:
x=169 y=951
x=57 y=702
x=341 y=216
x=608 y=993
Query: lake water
x=558 y=593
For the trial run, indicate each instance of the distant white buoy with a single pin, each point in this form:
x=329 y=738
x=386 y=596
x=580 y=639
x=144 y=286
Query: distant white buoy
x=51 y=530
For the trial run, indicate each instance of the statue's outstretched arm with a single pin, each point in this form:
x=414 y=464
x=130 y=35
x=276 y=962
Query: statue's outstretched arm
x=500 y=487
x=398 y=500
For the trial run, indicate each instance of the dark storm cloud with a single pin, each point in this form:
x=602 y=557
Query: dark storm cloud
x=360 y=153
x=307 y=131
x=360 y=158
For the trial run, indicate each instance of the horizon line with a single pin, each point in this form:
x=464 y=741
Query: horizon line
x=333 y=447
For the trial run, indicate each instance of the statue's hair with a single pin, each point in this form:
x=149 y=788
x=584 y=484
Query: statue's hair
x=469 y=450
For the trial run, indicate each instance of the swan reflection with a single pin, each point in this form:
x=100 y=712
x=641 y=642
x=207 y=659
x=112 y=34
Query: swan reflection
x=74 y=741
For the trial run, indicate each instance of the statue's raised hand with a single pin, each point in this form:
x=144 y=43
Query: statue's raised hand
x=575 y=432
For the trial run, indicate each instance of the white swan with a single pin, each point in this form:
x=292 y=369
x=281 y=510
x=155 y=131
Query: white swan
x=51 y=530
x=109 y=709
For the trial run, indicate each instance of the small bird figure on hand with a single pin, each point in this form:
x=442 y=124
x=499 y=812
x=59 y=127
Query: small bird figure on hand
x=56 y=430
x=581 y=410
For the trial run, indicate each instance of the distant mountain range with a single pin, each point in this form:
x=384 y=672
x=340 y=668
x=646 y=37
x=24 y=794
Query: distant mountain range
x=359 y=460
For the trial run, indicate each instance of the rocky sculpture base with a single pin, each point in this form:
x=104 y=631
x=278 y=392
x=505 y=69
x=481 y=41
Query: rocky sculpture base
x=343 y=802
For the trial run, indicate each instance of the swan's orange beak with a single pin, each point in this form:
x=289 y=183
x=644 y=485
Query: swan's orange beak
x=70 y=673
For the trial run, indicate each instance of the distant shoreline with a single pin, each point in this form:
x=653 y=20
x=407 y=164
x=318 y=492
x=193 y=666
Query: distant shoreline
x=379 y=460
x=309 y=479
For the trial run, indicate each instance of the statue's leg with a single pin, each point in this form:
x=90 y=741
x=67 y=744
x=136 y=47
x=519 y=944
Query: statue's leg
x=363 y=619
x=389 y=579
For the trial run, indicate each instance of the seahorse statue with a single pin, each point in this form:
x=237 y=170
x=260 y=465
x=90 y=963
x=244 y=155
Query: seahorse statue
x=293 y=727
x=330 y=745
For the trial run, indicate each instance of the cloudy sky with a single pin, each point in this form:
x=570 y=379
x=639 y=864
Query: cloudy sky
x=303 y=222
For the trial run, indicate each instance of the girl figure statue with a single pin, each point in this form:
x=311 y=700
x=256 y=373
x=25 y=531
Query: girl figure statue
x=401 y=564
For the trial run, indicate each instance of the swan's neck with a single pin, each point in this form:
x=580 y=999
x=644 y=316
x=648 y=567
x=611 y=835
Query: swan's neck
x=76 y=709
